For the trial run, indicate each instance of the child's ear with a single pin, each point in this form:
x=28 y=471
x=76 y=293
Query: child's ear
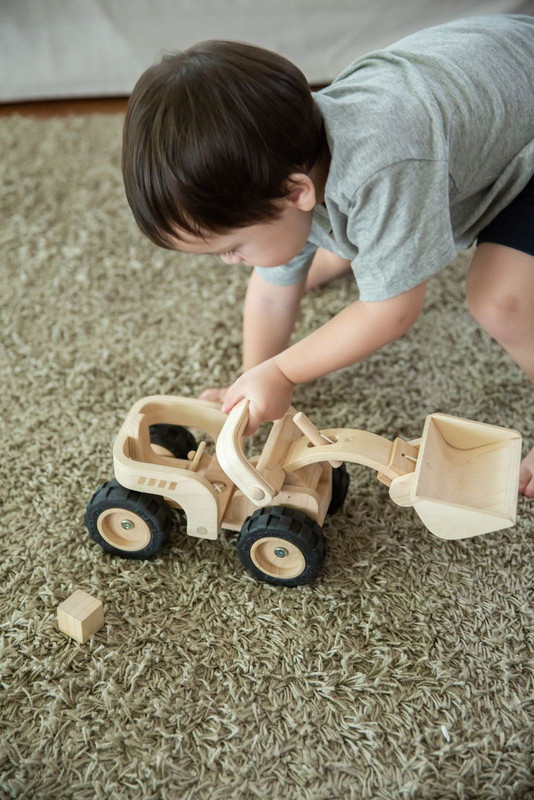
x=301 y=192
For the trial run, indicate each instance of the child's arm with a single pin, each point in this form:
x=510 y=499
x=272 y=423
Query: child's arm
x=355 y=333
x=269 y=316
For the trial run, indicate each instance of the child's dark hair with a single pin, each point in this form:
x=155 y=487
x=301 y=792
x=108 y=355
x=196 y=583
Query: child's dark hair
x=211 y=136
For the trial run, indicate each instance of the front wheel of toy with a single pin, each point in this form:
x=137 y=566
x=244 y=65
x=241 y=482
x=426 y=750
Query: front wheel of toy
x=127 y=523
x=282 y=546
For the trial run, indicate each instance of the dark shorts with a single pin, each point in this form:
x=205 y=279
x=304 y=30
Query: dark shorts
x=514 y=226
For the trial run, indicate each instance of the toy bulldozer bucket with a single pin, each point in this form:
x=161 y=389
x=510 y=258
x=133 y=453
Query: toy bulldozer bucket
x=466 y=477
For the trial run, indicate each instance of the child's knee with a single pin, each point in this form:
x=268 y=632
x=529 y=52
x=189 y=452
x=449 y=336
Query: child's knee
x=500 y=311
x=500 y=304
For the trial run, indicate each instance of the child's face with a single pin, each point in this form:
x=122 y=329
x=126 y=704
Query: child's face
x=266 y=244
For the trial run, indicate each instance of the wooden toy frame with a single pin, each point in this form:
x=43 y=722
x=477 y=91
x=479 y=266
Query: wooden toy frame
x=461 y=476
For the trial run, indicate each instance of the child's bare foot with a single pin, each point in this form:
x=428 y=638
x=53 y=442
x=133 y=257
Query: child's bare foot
x=214 y=393
x=325 y=267
x=526 y=475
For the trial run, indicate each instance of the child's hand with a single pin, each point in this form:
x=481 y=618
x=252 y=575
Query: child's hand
x=268 y=390
x=214 y=393
x=526 y=475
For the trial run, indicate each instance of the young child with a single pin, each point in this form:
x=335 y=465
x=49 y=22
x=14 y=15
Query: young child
x=413 y=152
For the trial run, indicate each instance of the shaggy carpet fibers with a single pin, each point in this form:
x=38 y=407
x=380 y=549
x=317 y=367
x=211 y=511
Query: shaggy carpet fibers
x=405 y=671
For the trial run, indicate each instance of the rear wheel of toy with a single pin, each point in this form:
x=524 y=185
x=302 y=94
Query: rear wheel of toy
x=282 y=546
x=171 y=440
x=340 y=487
x=127 y=523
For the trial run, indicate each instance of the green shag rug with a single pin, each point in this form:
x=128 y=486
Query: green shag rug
x=405 y=671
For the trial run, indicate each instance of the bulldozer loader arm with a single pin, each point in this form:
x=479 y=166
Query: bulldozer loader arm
x=461 y=476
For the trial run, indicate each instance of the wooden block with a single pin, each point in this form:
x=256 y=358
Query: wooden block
x=80 y=615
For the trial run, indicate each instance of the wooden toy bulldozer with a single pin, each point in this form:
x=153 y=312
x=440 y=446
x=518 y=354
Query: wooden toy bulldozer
x=461 y=477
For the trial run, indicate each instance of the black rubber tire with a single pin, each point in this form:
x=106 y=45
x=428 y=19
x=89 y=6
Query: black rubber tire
x=340 y=487
x=292 y=526
x=152 y=509
x=175 y=438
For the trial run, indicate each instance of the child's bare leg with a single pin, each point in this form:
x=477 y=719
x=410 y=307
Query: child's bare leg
x=325 y=267
x=500 y=295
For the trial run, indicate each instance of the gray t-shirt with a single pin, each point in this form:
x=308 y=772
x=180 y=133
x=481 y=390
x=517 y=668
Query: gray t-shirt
x=430 y=138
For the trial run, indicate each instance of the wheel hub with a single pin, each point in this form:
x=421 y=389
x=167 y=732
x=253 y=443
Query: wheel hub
x=125 y=533
x=278 y=557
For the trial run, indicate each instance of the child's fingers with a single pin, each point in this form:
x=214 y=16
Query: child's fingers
x=215 y=394
x=231 y=397
x=526 y=479
x=254 y=421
